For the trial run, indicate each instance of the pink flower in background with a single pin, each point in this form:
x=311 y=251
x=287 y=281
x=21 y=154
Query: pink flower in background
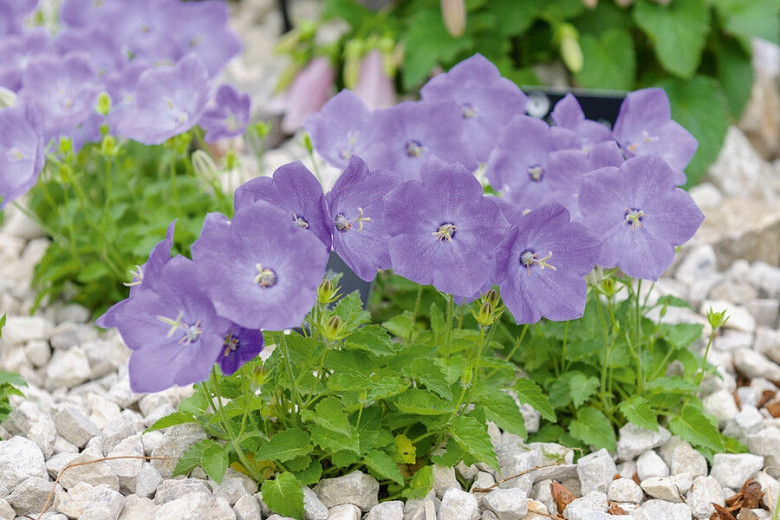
x=374 y=86
x=309 y=91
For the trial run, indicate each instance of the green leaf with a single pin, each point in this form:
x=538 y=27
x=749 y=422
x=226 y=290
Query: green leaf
x=474 y=439
x=333 y=443
x=311 y=475
x=582 y=387
x=735 y=74
x=502 y=409
x=172 y=420
x=749 y=19
x=609 y=60
x=208 y=454
x=592 y=427
x=350 y=309
x=438 y=322
x=693 y=426
x=382 y=466
x=2 y=324
x=11 y=378
x=348 y=10
x=639 y=412
x=284 y=495
x=673 y=301
x=516 y=17
x=422 y=402
x=372 y=338
x=432 y=375
x=404 y=450
x=676 y=385
x=681 y=334
x=700 y=106
x=93 y=272
x=529 y=392
x=453 y=454
x=329 y=415
x=427 y=44
x=400 y=325
x=420 y=483
x=677 y=31
x=285 y=445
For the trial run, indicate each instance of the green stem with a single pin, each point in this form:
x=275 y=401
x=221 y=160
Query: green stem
x=700 y=375
x=415 y=310
x=296 y=398
x=448 y=327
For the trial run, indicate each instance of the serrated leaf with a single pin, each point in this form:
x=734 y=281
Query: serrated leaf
x=681 y=334
x=372 y=338
x=431 y=44
x=474 y=439
x=330 y=416
x=11 y=378
x=405 y=452
x=284 y=495
x=422 y=402
x=382 y=466
x=638 y=411
x=609 y=60
x=592 y=427
x=331 y=442
x=453 y=454
x=671 y=384
x=673 y=301
x=677 y=31
x=516 y=17
x=582 y=387
x=432 y=375
x=502 y=409
x=350 y=310
x=311 y=475
x=420 y=483
x=214 y=462
x=438 y=322
x=286 y=445
x=693 y=426
x=400 y=325
x=701 y=107
x=348 y=10
x=172 y=420
x=529 y=392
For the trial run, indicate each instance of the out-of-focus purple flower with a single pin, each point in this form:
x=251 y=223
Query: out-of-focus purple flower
x=644 y=127
x=356 y=217
x=308 y=93
x=88 y=13
x=518 y=165
x=168 y=102
x=227 y=115
x=173 y=330
x=444 y=231
x=403 y=137
x=568 y=114
x=640 y=215
x=21 y=154
x=542 y=264
x=374 y=86
x=202 y=28
x=486 y=101
x=241 y=345
x=293 y=189
x=143 y=28
x=104 y=52
x=63 y=89
x=261 y=272
x=18 y=51
x=12 y=14
x=338 y=129
x=566 y=168
x=144 y=277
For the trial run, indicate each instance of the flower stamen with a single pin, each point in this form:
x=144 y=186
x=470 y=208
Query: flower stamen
x=414 y=148
x=634 y=217
x=266 y=277
x=300 y=221
x=138 y=277
x=528 y=258
x=445 y=231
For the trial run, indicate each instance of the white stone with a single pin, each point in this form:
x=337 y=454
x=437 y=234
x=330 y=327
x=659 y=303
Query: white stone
x=234 y=485
x=766 y=278
x=28 y=420
x=172 y=489
x=173 y=444
x=579 y=508
x=542 y=492
x=659 y=509
x=747 y=421
x=147 y=481
x=514 y=460
x=247 y=508
x=700 y=262
x=649 y=465
x=739 y=317
x=20 y=459
x=739 y=170
x=128 y=469
x=732 y=470
x=595 y=471
x=103 y=503
x=720 y=404
x=344 y=512
x=765 y=311
x=6 y=511
x=507 y=504
x=732 y=340
x=195 y=506
x=626 y=469
x=772 y=488
x=355 y=488
x=67 y=369
x=21 y=329
x=101 y=410
x=634 y=441
x=663 y=488
x=392 y=510
x=704 y=491
x=73 y=425
x=458 y=505
x=95 y=473
x=686 y=460
x=483 y=480
x=444 y=479
x=73 y=501
x=38 y=352
x=624 y=490
x=768 y=343
x=69 y=334
x=30 y=495
x=767 y=443
x=754 y=364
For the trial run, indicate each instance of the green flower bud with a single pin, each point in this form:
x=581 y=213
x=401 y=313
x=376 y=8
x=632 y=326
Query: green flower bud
x=485 y=315
x=204 y=166
x=108 y=146
x=353 y=53
x=454 y=14
x=570 y=47
x=333 y=328
x=492 y=297
x=7 y=98
x=66 y=145
x=327 y=292
x=717 y=319
x=103 y=104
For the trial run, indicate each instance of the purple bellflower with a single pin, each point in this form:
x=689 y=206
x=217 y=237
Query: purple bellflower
x=403 y=137
x=173 y=330
x=485 y=101
x=21 y=154
x=293 y=189
x=168 y=101
x=518 y=165
x=308 y=92
x=241 y=345
x=88 y=13
x=444 y=231
x=104 y=52
x=568 y=114
x=13 y=13
x=355 y=211
x=18 y=51
x=374 y=85
x=566 y=168
x=227 y=114
x=259 y=271
x=639 y=213
x=202 y=28
x=63 y=89
x=144 y=277
x=338 y=129
x=143 y=28
x=644 y=127
x=542 y=263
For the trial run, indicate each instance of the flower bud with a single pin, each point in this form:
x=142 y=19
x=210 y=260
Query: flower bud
x=103 y=104
x=327 y=292
x=717 y=319
x=66 y=145
x=485 y=315
x=108 y=146
x=570 y=47
x=7 y=98
x=608 y=286
x=333 y=328
x=492 y=297
x=204 y=166
x=353 y=52
x=454 y=14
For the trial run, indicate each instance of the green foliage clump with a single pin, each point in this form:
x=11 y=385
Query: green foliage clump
x=9 y=383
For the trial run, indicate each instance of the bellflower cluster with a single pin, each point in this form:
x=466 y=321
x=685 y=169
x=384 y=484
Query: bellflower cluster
x=156 y=60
